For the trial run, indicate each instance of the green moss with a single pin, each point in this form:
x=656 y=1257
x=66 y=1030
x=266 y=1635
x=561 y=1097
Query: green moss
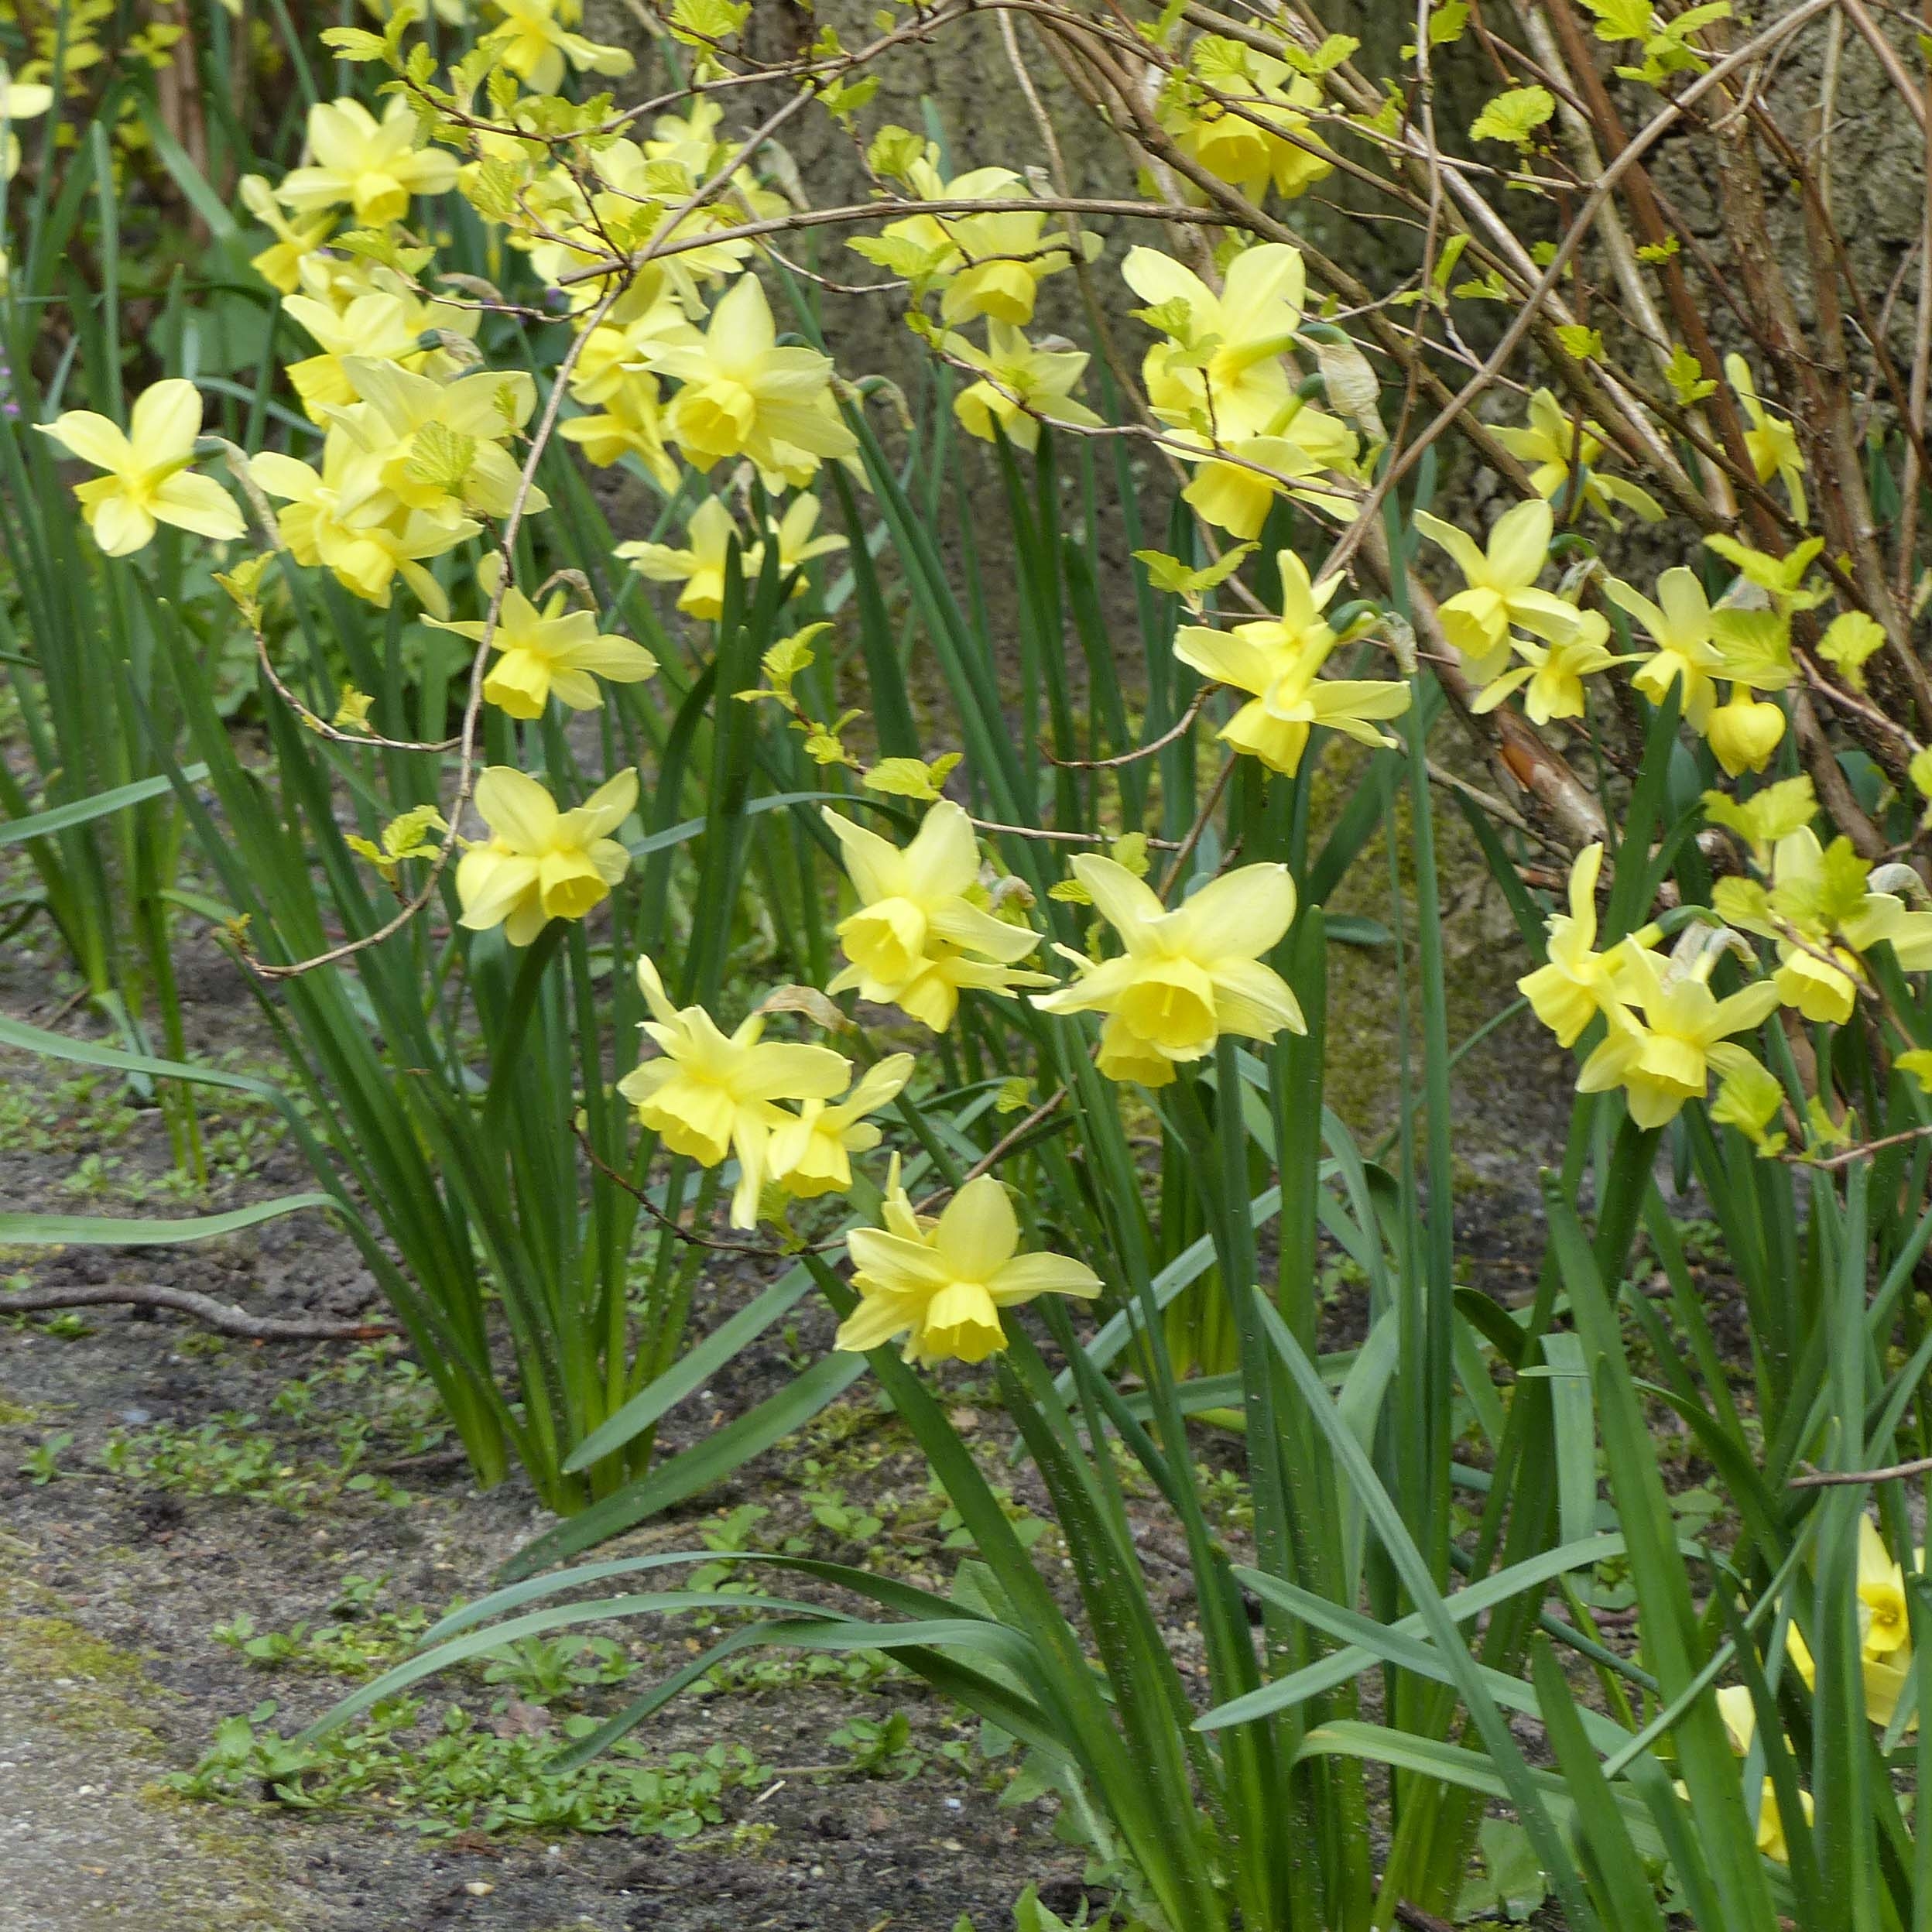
x=16 y=1415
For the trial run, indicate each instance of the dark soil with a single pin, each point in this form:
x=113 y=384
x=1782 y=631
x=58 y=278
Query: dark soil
x=112 y=1588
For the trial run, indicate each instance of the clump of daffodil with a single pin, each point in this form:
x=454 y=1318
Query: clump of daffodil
x=1824 y=909
x=1279 y=661
x=1502 y=581
x=699 y=565
x=991 y=264
x=375 y=167
x=925 y=928
x=146 y=479
x=742 y=395
x=550 y=653
x=1668 y=1031
x=342 y=519
x=811 y=1154
x=944 y=1283
x=1244 y=116
x=1019 y=385
x=1577 y=982
x=1221 y=368
x=1563 y=454
x=440 y=447
x=707 y=1095
x=539 y=863
x=1771 y=442
x=1186 y=976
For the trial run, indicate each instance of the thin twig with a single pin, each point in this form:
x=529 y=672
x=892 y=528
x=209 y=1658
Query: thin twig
x=222 y=1316
x=1848 y=1478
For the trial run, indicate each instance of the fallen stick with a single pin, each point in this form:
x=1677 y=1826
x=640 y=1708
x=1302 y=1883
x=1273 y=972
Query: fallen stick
x=220 y=1315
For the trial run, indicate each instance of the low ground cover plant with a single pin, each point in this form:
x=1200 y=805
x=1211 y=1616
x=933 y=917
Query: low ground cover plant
x=862 y=895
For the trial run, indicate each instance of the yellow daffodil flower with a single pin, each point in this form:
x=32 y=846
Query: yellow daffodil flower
x=1551 y=679
x=992 y=264
x=1502 y=581
x=1667 y=1058
x=922 y=930
x=608 y=360
x=540 y=864
x=744 y=395
x=630 y=424
x=343 y=519
x=1186 y=976
x=810 y=1155
x=1824 y=909
x=147 y=480
x=1686 y=655
x=374 y=166
x=552 y=653
x=699 y=565
x=707 y=1096
x=377 y=326
x=943 y=1284
x=21 y=101
x=1279 y=662
x=1746 y=730
x=1887 y=1667
x=1019 y=386
x=1771 y=442
x=1557 y=447
x=1221 y=367
x=280 y=264
x=1254 y=132
x=536 y=42
x=441 y=445
x=1235 y=483
x=1577 y=982
x=1885 y=1628
x=1741 y=1722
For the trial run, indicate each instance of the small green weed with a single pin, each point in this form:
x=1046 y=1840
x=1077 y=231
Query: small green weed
x=456 y=1775
x=41 y=1464
x=357 y=1640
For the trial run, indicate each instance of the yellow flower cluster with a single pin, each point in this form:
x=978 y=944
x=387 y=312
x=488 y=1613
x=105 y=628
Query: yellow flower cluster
x=1884 y=1652
x=1666 y=1033
x=712 y=1097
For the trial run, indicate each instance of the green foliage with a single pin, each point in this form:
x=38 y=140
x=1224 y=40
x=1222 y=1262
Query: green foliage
x=445 y=1774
